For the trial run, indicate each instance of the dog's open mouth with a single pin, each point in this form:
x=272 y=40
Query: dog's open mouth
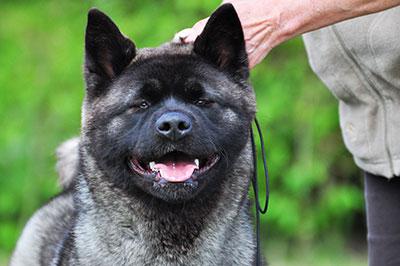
x=174 y=167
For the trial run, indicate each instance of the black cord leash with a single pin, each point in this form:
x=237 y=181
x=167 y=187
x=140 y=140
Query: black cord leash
x=254 y=182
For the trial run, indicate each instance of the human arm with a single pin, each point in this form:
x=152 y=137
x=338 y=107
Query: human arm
x=267 y=23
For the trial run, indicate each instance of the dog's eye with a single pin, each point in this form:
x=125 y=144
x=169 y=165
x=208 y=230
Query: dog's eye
x=139 y=105
x=202 y=102
x=144 y=105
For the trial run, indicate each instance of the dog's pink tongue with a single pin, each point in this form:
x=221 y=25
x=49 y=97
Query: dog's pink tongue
x=176 y=171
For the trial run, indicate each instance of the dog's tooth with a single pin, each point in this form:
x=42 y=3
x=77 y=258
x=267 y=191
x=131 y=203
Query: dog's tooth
x=196 y=161
x=152 y=165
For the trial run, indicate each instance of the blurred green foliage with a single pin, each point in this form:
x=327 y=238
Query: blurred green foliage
x=315 y=187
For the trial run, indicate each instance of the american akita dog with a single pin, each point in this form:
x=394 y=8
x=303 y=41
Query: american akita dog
x=161 y=172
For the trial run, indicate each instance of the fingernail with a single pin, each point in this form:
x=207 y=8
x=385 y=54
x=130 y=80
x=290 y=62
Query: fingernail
x=182 y=35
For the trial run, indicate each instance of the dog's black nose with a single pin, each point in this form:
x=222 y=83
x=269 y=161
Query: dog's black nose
x=173 y=125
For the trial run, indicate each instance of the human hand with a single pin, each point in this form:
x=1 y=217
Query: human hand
x=260 y=27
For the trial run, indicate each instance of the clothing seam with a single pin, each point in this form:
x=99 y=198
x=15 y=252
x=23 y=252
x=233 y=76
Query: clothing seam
x=372 y=27
x=375 y=24
x=343 y=53
x=369 y=35
x=378 y=162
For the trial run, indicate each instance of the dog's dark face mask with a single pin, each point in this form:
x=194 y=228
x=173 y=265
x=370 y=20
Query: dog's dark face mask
x=168 y=121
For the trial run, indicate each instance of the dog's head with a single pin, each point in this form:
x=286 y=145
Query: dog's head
x=168 y=121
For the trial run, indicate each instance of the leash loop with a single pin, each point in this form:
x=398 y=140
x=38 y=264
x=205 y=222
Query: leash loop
x=254 y=181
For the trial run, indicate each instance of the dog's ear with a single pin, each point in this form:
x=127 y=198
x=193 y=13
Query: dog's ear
x=222 y=42
x=107 y=51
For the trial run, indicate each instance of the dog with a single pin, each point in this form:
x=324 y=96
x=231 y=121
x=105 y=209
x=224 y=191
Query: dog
x=161 y=172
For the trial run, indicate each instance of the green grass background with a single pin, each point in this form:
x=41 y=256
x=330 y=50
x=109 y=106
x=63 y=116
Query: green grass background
x=316 y=205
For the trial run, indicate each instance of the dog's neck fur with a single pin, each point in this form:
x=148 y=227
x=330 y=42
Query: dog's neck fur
x=151 y=232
